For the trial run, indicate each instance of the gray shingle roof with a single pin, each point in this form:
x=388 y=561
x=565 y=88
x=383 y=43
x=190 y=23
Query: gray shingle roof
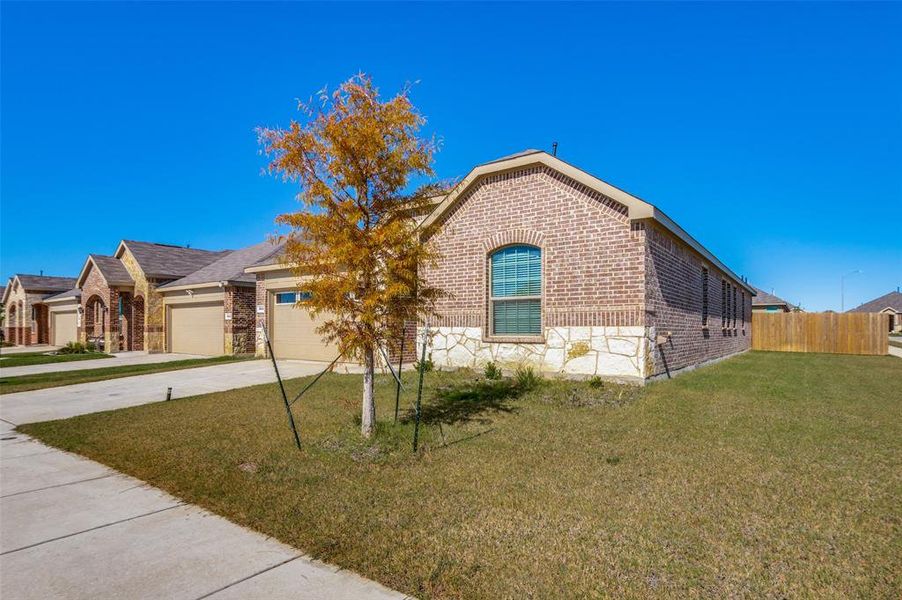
x=892 y=300
x=170 y=262
x=229 y=268
x=46 y=283
x=762 y=298
x=273 y=258
x=73 y=293
x=112 y=269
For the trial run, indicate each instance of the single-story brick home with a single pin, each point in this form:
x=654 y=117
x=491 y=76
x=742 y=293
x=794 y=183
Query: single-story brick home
x=765 y=302
x=211 y=311
x=30 y=315
x=889 y=305
x=549 y=266
x=120 y=304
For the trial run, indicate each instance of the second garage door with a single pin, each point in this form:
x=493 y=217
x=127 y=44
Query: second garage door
x=63 y=327
x=196 y=329
x=294 y=332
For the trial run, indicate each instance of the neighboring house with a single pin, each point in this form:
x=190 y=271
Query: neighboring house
x=120 y=303
x=889 y=304
x=211 y=311
x=292 y=331
x=549 y=266
x=764 y=302
x=26 y=308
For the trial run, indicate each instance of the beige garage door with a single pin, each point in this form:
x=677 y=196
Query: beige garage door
x=293 y=332
x=63 y=326
x=196 y=328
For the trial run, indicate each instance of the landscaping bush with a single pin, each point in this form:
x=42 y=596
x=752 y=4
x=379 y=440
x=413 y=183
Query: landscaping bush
x=526 y=378
x=492 y=371
x=77 y=348
x=428 y=365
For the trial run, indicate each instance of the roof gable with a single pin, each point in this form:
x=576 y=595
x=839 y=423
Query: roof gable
x=762 y=298
x=110 y=268
x=636 y=207
x=44 y=283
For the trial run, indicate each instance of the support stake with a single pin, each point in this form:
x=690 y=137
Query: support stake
x=400 y=364
x=168 y=394
x=294 y=429
x=416 y=426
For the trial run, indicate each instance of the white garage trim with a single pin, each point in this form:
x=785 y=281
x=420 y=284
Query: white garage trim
x=293 y=332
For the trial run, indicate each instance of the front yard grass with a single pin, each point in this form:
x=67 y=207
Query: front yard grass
x=40 y=358
x=39 y=381
x=768 y=475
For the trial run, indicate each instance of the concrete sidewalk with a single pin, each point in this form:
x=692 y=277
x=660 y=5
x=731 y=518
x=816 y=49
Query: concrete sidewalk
x=73 y=528
x=120 y=359
x=67 y=401
x=895 y=351
x=10 y=350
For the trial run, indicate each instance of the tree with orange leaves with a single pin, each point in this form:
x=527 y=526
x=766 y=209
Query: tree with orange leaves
x=354 y=240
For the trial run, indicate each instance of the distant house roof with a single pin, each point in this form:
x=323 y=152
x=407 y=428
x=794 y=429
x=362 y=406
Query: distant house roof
x=762 y=298
x=892 y=300
x=73 y=293
x=163 y=261
x=45 y=283
x=228 y=268
x=273 y=258
x=112 y=269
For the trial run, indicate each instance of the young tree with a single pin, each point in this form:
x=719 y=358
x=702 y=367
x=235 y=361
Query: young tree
x=354 y=157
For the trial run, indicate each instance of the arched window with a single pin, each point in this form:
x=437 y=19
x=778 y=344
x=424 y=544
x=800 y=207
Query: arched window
x=515 y=292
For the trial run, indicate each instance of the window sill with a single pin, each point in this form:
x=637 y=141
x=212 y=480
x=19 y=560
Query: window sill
x=523 y=339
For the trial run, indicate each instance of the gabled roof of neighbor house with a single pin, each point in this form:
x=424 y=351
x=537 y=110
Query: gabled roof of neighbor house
x=892 y=300
x=636 y=207
x=38 y=283
x=762 y=298
x=74 y=293
x=230 y=268
x=164 y=261
x=272 y=261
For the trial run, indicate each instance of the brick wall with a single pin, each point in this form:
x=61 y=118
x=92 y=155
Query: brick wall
x=260 y=317
x=593 y=259
x=239 y=330
x=674 y=304
x=95 y=289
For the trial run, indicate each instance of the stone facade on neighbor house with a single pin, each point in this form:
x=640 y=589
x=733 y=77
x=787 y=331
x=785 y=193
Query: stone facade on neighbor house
x=26 y=315
x=621 y=296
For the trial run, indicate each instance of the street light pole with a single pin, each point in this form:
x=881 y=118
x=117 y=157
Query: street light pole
x=842 y=289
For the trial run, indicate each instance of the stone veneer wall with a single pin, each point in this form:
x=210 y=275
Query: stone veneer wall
x=25 y=330
x=618 y=353
x=154 y=334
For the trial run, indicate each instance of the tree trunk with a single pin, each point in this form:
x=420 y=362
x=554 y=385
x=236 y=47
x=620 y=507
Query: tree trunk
x=368 y=418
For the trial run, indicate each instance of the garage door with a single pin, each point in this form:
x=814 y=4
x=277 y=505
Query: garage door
x=63 y=327
x=293 y=332
x=196 y=329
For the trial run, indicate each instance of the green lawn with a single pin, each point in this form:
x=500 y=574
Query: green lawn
x=40 y=358
x=24 y=383
x=768 y=475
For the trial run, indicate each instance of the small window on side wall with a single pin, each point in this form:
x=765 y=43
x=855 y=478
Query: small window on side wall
x=704 y=297
x=286 y=298
x=515 y=292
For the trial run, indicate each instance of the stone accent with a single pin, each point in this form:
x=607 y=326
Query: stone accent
x=153 y=338
x=617 y=353
x=260 y=317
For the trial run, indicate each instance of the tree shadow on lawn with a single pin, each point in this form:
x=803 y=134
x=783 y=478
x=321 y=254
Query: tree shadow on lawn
x=470 y=402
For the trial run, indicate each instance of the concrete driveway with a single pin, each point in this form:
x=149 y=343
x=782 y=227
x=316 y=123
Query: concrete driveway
x=73 y=528
x=67 y=401
x=120 y=359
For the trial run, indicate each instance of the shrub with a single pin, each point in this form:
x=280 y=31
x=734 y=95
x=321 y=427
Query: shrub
x=76 y=348
x=596 y=382
x=526 y=378
x=492 y=370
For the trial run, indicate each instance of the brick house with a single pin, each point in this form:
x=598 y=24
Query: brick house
x=212 y=310
x=549 y=266
x=765 y=302
x=27 y=315
x=120 y=304
x=889 y=305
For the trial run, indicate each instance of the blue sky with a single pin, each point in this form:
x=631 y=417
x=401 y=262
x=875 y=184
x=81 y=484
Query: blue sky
x=772 y=132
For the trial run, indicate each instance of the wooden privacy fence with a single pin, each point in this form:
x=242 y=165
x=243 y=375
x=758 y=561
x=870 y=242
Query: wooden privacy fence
x=839 y=333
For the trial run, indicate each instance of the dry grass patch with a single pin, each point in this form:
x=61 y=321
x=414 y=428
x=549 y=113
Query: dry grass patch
x=766 y=475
